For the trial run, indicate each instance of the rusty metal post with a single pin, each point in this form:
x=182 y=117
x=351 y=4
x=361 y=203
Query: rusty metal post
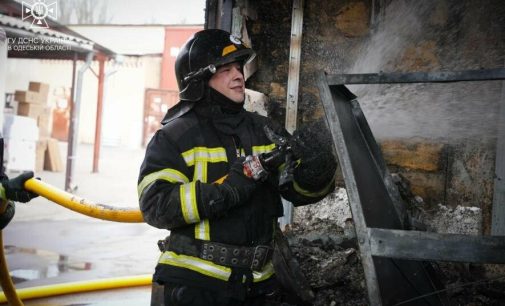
x=99 y=110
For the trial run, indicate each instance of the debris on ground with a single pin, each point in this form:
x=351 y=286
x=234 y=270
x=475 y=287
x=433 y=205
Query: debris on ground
x=322 y=239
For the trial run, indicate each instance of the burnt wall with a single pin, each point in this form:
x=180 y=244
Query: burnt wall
x=398 y=36
x=324 y=47
x=360 y=36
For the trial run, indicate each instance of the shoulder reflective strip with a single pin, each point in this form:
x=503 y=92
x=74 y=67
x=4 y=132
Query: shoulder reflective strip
x=188 y=203
x=196 y=264
x=256 y=150
x=171 y=175
x=228 y=49
x=211 y=155
x=202 y=230
x=268 y=271
x=2 y=193
x=307 y=193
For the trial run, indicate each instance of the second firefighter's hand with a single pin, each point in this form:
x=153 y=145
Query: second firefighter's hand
x=237 y=188
x=15 y=190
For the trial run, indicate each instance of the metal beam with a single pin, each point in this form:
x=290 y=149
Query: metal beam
x=498 y=216
x=345 y=162
x=69 y=175
x=372 y=201
x=73 y=133
x=417 y=77
x=418 y=245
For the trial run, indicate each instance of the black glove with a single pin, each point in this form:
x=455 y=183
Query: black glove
x=15 y=190
x=286 y=176
x=237 y=188
x=313 y=145
x=6 y=217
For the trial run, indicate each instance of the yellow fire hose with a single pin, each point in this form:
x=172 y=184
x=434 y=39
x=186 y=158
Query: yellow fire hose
x=81 y=286
x=5 y=279
x=87 y=208
x=80 y=205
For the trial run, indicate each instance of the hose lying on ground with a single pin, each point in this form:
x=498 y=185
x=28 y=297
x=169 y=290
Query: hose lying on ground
x=81 y=286
x=87 y=208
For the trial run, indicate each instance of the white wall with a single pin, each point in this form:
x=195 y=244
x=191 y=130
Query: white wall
x=123 y=101
x=124 y=39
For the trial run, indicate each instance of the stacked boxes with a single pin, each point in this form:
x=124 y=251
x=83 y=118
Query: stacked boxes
x=33 y=103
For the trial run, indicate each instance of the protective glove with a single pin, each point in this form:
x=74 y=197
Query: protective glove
x=286 y=176
x=15 y=190
x=237 y=188
x=6 y=217
x=313 y=145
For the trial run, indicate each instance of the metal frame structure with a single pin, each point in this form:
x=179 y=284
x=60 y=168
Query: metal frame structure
x=394 y=259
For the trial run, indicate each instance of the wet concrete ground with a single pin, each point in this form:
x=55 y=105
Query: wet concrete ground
x=48 y=244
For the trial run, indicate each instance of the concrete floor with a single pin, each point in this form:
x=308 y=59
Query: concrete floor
x=49 y=244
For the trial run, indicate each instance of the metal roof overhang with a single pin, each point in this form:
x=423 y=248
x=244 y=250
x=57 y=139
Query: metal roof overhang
x=55 y=42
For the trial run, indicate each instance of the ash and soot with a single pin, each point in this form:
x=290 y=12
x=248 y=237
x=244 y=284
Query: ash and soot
x=323 y=239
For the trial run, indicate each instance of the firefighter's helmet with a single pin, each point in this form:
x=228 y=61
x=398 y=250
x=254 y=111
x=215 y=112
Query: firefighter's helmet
x=202 y=54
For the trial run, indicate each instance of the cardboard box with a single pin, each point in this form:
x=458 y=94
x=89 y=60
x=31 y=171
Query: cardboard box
x=20 y=128
x=40 y=154
x=27 y=96
x=52 y=160
x=44 y=123
x=42 y=89
x=30 y=110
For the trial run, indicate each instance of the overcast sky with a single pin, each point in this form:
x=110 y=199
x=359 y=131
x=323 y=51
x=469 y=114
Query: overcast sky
x=133 y=11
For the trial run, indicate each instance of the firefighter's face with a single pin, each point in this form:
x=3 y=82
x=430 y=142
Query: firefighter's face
x=229 y=81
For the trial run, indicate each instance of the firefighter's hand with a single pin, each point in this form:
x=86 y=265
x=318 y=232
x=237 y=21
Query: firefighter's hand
x=313 y=145
x=14 y=188
x=237 y=188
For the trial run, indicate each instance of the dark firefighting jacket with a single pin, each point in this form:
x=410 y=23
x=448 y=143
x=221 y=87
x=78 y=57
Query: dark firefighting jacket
x=176 y=191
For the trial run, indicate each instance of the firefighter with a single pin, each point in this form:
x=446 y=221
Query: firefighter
x=13 y=190
x=220 y=244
